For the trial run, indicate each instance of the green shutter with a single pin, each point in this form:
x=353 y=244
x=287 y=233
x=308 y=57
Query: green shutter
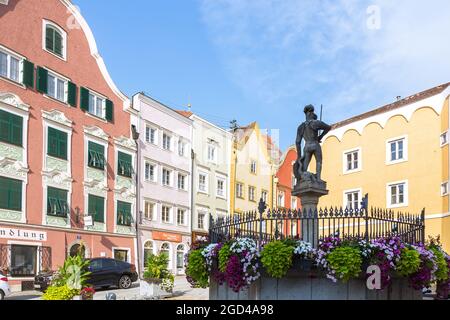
x=109 y=111
x=28 y=74
x=11 y=128
x=42 y=80
x=72 y=94
x=124 y=167
x=57 y=143
x=49 y=38
x=84 y=99
x=123 y=213
x=10 y=194
x=57 y=204
x=96 y=155
x=97 y=208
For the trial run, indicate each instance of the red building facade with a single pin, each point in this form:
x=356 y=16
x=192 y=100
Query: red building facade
x=66 y=157
x=286 y=181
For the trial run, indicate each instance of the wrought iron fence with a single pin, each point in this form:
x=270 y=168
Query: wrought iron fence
x=313 y=225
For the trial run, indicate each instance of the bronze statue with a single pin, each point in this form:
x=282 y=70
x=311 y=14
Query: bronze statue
x=309 y=131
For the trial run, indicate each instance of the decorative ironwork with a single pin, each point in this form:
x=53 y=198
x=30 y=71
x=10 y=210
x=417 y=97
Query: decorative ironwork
x=350 y=223
x=45 y=254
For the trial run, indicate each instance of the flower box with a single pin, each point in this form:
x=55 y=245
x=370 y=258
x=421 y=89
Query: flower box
x=150 y=288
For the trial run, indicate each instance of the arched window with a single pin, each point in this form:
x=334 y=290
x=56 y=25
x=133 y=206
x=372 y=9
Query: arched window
x=77 y=249
x=55 y=39
x=165 y=248
x=148 y=250
x=180 y=256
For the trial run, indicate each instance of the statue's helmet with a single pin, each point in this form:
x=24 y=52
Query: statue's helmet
x=309 y=108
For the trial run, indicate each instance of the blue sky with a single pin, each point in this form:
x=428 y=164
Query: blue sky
x=263 y=60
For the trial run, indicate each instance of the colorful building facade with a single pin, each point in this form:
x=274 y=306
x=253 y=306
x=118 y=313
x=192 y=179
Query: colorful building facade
x=66 y=157
x=165 y=145
x=398 y=155
x=285 y=181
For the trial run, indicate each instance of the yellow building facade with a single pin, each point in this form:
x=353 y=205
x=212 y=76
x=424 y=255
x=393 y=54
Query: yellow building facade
x=253 y=167
x=399 y=155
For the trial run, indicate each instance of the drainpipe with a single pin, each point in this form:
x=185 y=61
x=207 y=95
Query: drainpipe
x=192 y=194
x=135 y=135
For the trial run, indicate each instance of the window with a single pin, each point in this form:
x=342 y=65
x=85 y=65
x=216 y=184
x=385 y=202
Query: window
x=165 y=214
x=397 y=194
x=253 y=167
x=56 y=87
x=201 y=220
x=352 y=161
x=150 y=135
x=10 y=66
x=264 y=195
x=148 y=251
x=181 y=181
x=125 y=168
x=11 y=128
x=96 y=208
x=124 y=216
x=221 y=187
x=57 y=143
x=352 y=199
x=119 y=254
x=57 y=204
x=294 y=181
x=202 y=182
x=181 y=217
x=10 y=194
x=211 y=153
x=96 y=155
x=180 y=256
x=165 y=249
x=23 y=261
x=96 y=105
x=281 y=199
x=181 y=148
x=444 y=139
x=396 y=150
x=166 y=141
x=444 y=188
x=150 y=171
x=166 y=177
x=54 y=39
x=294 y=228
x=240 y=190
x=293 y=203
x=251 y=193
x=149 y=210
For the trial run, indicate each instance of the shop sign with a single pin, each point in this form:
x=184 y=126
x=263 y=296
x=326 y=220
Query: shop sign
x=21 y=234
x=165 y=236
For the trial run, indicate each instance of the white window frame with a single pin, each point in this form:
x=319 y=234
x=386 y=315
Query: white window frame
x=405 y=150
x=205 y=219
x=64 y=39
x=443 y=138
x=154 y=214
x=165 y=133
x=389 y=205
x=184 y=217
x=224 y=192
x=206 y=174
x=182 y=146
x=242 y=186
x=214 y=149
x=283 y=199
x=264 y=194
x=251 y=188
x=155 y=171
x=294 y=203
x=253 y=164
x=103 y=106
x=351 y=191
x=444 y=189
x=149 y=127
x=16 y=56
x=57 y=77
x=357 y=150
x=170 y=213
x=170 y=177
x=185 y=181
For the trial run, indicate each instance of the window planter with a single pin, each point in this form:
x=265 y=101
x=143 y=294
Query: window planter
x=150 y=288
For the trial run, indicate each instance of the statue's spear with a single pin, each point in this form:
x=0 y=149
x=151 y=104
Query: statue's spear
x=321 y=111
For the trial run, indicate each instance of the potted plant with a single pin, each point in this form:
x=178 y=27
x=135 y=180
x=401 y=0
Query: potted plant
x=87 y=293
x=158 y=280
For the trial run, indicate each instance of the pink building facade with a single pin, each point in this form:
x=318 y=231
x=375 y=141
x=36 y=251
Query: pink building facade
x=66 y=153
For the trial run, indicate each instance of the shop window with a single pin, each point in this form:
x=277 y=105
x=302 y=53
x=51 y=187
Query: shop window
x=23 y=261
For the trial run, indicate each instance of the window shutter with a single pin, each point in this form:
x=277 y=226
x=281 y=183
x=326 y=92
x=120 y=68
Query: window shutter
x=52 y=141
x=72 y=94
x=95 y=149
x=57 y=143
x=124 y=167
x=49 y=38
x=62 y=145
x=96 y=208
x=16 y=128
x=28 y=74
x=4 y=126
x=109 y=115
x=15 y=195
x=42 y=80
x=84 y=99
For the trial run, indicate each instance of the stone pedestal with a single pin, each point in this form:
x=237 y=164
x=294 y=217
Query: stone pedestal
x=309 y=192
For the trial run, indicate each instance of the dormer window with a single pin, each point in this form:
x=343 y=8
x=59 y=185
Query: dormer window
x=55 y=39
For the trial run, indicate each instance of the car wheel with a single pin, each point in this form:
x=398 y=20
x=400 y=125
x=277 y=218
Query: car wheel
x=125 y=282
x=2 y=295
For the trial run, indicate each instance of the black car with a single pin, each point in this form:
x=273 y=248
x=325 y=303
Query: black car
x=107 y=272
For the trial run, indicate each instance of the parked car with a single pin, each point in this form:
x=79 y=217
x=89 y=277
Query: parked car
x=107 y=273
x=5 y=290
x=43 y=280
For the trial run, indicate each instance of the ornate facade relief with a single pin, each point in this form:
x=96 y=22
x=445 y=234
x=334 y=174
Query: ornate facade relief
x=96 y=132
x=14 y=101
x=58 y=117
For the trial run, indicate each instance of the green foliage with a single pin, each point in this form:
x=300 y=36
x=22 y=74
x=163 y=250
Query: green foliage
x=224 y=256
x=157 y=266
x=197 y=268
x=74 y=273
x=276 y=258
x=60 y=293
x=346 y=261
x=442 y=271
x=409 y=262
